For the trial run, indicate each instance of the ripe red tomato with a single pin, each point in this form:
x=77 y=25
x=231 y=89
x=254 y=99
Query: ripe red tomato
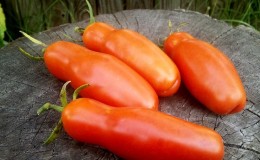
x=111 y=81
x=138 y=52
x=140 y=133
x=207 y=73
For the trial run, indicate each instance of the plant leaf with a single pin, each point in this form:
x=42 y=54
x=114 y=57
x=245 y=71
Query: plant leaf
x=2 y=26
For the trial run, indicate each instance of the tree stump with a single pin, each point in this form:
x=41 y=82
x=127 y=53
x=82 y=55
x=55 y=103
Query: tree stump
x=26 y=85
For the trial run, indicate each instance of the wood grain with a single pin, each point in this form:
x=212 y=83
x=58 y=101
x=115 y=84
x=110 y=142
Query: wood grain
x=26 y=85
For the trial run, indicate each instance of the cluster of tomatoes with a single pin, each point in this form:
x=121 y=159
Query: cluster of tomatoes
x=126 y=73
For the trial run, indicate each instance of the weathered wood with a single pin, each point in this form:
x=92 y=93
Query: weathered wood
x=26 y=85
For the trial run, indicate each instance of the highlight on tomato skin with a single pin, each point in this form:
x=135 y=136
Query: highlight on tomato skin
x=140 y=133
x=138 y=52
x=97 y=38
x=133 y=132
x=207 y=73
x=174 y=39
x=111 y=81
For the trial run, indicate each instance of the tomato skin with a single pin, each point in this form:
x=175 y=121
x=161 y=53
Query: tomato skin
x=140 y=133
x=138 y=52
x=97 y=38
x=207 y=73
x=111 y=81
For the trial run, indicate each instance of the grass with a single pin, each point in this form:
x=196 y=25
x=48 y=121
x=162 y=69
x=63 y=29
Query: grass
x=33 y=16
x=246 y=12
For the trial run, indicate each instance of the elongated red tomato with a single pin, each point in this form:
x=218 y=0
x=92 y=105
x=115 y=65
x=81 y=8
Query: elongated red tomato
x=111 y=81
x=139 y=133
x=207 y=73
x=138 y=52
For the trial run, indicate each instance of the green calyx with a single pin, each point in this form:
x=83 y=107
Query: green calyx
x=90 y=11
x=36 y=41
x=91 y=18
x=79 y=30
x=178 y=29
x=63 y=99
x=36 y=58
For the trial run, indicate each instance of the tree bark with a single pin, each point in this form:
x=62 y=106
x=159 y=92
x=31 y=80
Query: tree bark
x=26 y=85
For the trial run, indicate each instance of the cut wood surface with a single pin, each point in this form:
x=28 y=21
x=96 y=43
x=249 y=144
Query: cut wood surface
x=26 y=85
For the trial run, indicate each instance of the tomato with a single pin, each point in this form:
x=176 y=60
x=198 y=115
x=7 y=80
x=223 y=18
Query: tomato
x=136 y=51
x=207 y=73
x=140 y=133
x=111 y=81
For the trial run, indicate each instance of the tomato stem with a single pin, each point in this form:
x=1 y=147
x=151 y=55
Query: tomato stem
x=55 y=132
x=76 y=92
x=179 y=27
x=79 y=30
x=63 y=98
x=91 y=19
x=70 y=38
x=90 y=11
x=33 y=39
x=160 y=42
x=48 y=106
x=35 y=58
x=170 y=26
x=63 y=94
